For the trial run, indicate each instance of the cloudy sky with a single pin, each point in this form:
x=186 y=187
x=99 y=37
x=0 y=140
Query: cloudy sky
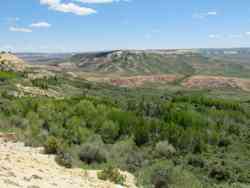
x=91 y=25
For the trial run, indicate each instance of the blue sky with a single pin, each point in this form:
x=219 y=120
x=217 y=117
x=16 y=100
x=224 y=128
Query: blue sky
x=93 y=25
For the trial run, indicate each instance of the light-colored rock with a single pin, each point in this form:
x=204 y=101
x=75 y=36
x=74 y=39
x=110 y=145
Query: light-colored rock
x=25 y=167
x=10 y=62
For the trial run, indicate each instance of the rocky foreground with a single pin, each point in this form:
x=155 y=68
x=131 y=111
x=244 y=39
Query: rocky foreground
x=25 y=167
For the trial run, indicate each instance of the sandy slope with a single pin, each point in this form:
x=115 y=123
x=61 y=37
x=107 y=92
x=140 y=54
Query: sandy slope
x=11 y=62
x=26 y=167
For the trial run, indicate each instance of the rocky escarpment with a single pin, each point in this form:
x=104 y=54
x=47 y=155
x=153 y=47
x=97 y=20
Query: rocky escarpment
x=9 y=62
x=25 y=167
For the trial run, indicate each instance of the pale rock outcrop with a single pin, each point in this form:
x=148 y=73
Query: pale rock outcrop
x=10 y=62
x=25 y=167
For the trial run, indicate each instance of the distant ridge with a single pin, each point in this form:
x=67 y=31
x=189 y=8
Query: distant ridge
x=223 y=62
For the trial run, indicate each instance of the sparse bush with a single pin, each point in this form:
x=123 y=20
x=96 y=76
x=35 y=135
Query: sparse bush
x=164 y=149
x=51 y=146
x=19 y=122
x=134 y=161
x=120 y=151
x=64 y=159
x=224 y=142
x=198 y=145
x=91 y=153
x=219 y=172
x=112 y=174
x=196 y=161
x=161 y=178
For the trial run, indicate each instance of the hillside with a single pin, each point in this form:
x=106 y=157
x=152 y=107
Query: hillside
x=191 y=69
x=179 y=140
x=182 y=127
x=134 y=62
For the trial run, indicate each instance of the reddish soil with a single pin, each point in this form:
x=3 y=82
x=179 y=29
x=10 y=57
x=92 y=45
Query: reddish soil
x=135 y=81
x=217 y=82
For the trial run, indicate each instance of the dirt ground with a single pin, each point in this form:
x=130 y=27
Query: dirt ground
x=25 y=167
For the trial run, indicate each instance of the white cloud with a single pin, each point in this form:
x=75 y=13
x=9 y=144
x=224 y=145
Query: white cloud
x=73 y=8
x=101 y=1
x=20 y=29
x=68 y=7
x=40 y=25
x=248 y=33
x=50 y=2
x=204 y=14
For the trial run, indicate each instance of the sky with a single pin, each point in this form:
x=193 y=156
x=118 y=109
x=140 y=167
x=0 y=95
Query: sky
x=97 y=25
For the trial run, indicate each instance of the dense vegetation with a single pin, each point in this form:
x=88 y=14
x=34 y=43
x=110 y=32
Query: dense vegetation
x=182 y=140
x=6 y=76
x=170 y=137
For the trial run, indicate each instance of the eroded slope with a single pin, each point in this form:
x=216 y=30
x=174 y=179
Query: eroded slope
x=26 y=167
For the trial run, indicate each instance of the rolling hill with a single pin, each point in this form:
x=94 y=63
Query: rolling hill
x=151 y=62
x=200 y=68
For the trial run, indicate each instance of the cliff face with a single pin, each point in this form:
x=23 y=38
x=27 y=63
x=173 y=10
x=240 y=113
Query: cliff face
x=9 y=62
x=25 y=167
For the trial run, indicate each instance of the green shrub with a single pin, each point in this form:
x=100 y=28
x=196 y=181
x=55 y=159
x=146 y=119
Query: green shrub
x=64 y=159
x=161 y=178
x=109 y=131
x=196 y=161
x=220 y=173
x=7 y=75
x=112 y=174
x=224 y=142
x=198 y=144
x=164 y=149
x=52 y=145
x=151 y=174
x=19 y=122
x=141 y=133
x=134 y=161
x=120 y=151
x=91 y=153
x=165 y=174
x=41 y=83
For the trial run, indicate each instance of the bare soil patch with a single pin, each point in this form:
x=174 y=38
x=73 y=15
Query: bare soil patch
x=217 y=82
